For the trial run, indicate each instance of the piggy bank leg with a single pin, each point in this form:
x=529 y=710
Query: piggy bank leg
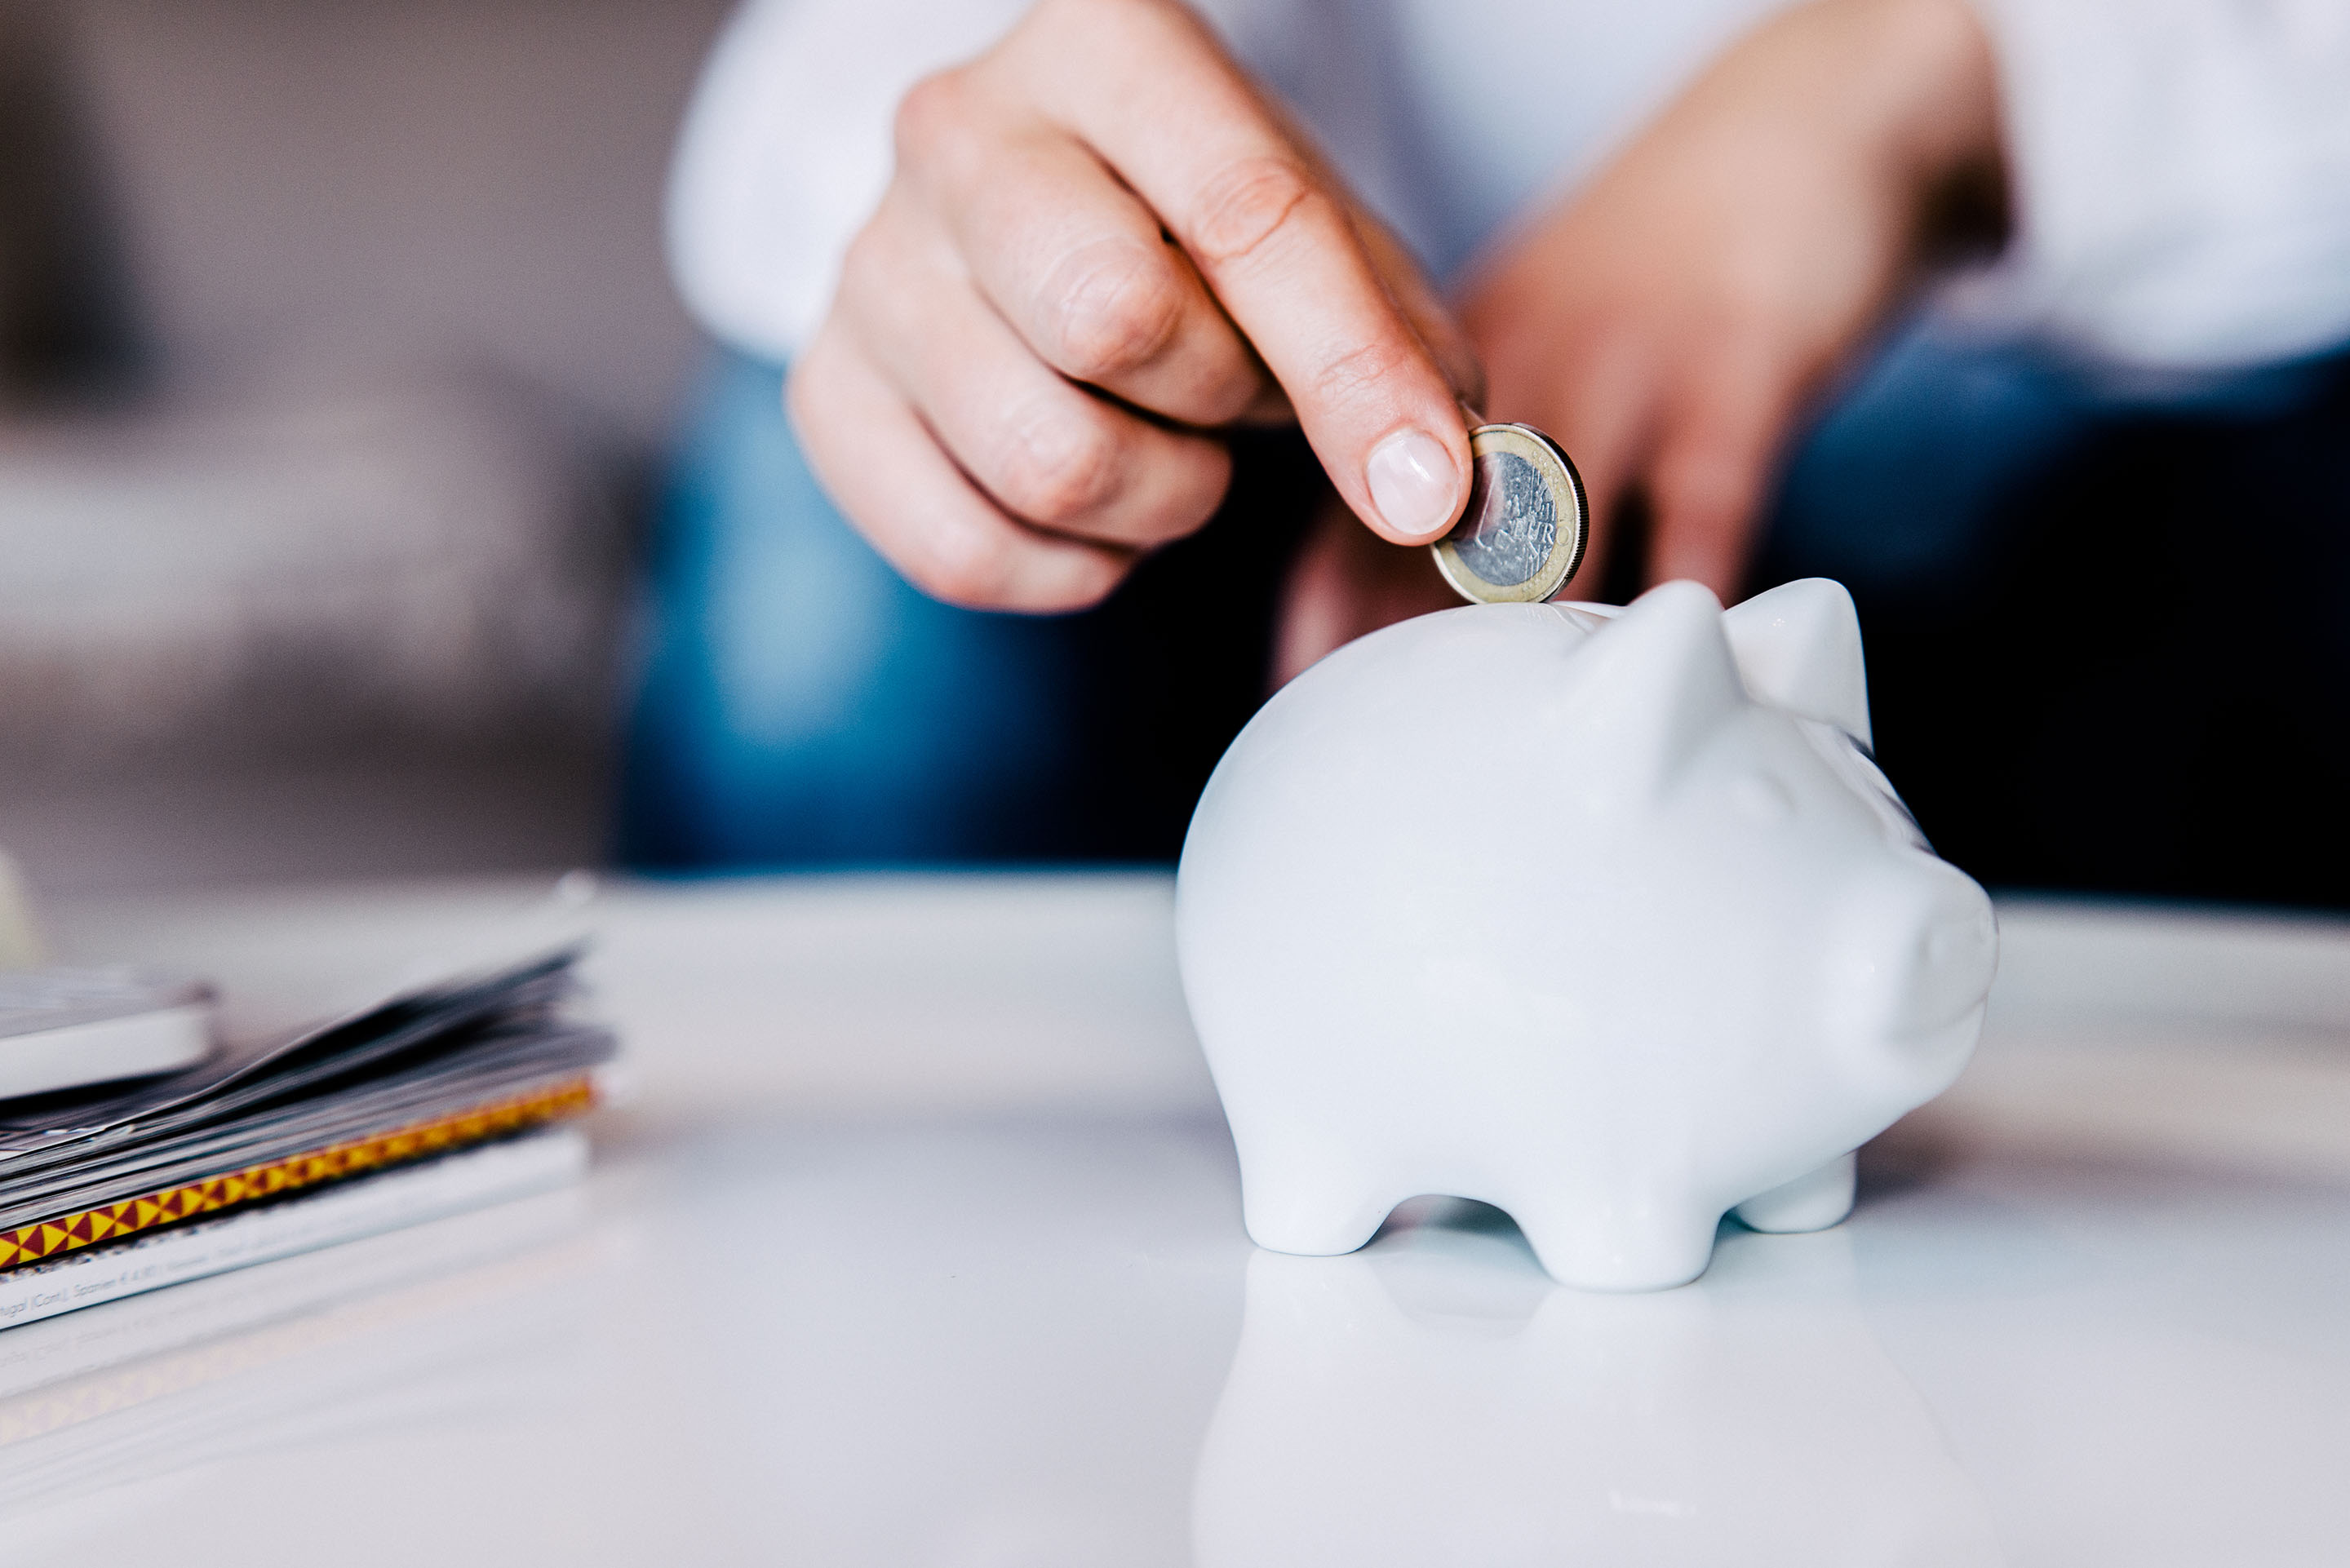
x=1645 y=1246
x=1317 y=1207
x=1811 y=1202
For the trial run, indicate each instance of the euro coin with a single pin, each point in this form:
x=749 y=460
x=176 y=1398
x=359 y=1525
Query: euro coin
x=1523 y=533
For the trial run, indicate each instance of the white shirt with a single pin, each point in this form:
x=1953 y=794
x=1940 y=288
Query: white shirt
x=2181 y=168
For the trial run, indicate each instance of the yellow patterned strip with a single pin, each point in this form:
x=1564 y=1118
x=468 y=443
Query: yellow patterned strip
x=63 y=1234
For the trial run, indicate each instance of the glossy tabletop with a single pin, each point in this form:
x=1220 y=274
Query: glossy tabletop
x=919 y=1243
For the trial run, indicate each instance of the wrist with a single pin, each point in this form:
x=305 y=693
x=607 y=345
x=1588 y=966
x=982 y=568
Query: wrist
x=1927 y=90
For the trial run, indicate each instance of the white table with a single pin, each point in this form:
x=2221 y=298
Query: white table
x=920 y=1244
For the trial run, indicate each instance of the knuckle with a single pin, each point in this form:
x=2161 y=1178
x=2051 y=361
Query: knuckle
x=812 y=391
x=1078 y=583
x=1089 y=588
x=869 y=259
x=1244 y=205
x=932 y=118
x=1192 y=498
x=1232 y=393
x=1365 y=368
x=993 y=570
x=1115 y=308
x=1058 y=467
x=971 y=567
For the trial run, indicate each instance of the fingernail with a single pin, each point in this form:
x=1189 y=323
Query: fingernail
x=1413 y=482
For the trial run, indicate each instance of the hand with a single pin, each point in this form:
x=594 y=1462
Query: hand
x=1669 y=323
x=1345 y=582
x=1102 y=244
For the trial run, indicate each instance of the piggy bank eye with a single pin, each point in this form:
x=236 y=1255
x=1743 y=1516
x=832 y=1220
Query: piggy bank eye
x=1761 y=799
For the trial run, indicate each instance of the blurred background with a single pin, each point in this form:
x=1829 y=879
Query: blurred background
x=340 y=370
x=336 y=353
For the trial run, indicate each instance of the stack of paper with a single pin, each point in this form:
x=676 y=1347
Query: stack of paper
x=339 y=1130
x=62 y=1028
x=470 y=1317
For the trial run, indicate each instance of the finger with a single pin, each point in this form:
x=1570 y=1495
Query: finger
x=1278 y=247
x=1713 y=461
x=1431 y=316
x=1426 y=309
x=878 y=462
x=1048 y=451
x=1605 y=415
x=1072 y=260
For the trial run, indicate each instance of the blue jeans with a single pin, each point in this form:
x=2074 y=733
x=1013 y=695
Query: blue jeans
x=800 y=705
x=2108 y=637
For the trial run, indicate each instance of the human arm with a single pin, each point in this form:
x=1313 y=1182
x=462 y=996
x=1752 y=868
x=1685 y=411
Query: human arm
x=2171 y=181
x=1101 y=245
x=1673 y=319
x=1670 y=319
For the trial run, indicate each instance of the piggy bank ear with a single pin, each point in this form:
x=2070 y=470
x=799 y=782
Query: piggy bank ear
x=1798 y=647
x=1652 y=684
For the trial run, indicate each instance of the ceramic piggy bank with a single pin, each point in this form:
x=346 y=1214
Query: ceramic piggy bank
x=1604 y=918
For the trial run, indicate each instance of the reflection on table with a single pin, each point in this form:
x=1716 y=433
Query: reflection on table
x=920 y=1245
x=1435 y=1400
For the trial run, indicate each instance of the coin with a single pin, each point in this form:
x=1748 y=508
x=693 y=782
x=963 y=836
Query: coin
x=1523 y=533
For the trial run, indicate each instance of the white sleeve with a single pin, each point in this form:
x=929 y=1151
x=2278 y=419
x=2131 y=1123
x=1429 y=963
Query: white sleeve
x=786 y=150
x=2182 y=175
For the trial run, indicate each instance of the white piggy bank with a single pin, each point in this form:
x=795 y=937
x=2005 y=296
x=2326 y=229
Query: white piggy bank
x=1604 y=918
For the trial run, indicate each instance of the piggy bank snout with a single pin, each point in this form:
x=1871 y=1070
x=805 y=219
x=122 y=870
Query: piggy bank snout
x=1924 y=944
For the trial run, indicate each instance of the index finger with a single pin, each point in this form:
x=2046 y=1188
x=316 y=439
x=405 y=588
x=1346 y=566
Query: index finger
x=1277 y=242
